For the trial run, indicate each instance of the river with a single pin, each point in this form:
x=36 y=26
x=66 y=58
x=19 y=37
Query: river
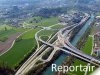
x=61 y=58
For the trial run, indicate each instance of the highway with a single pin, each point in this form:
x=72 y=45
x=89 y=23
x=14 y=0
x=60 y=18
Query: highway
x=63 y=37
x=23 y=68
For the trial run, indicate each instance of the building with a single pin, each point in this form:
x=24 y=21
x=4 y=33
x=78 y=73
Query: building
x=97 y=43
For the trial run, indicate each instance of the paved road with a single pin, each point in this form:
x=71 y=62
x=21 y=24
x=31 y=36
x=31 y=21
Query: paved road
x=63 y=38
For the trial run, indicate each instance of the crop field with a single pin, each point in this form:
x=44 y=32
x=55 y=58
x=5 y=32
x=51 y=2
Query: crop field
x=26 y=42
x=20 y=49
x=6 y=31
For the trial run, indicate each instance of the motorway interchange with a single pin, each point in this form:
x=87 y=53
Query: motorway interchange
x=61 y=43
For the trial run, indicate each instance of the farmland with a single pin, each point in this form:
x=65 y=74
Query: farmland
x=20 y=48
x=25 y=42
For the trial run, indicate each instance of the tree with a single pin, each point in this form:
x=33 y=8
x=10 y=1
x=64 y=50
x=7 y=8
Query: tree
x=5 y=28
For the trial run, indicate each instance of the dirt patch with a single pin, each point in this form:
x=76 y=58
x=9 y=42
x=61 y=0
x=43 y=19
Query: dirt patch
x=7 y=44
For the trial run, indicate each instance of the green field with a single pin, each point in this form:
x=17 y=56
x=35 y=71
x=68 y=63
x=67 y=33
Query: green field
x=2 y=27
x=6 y=31
x=20 y=49
x=23 y=47
x=87 y=46
x=46 y=32
x=58 y=26
x=43 y=22
x=87 y=49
